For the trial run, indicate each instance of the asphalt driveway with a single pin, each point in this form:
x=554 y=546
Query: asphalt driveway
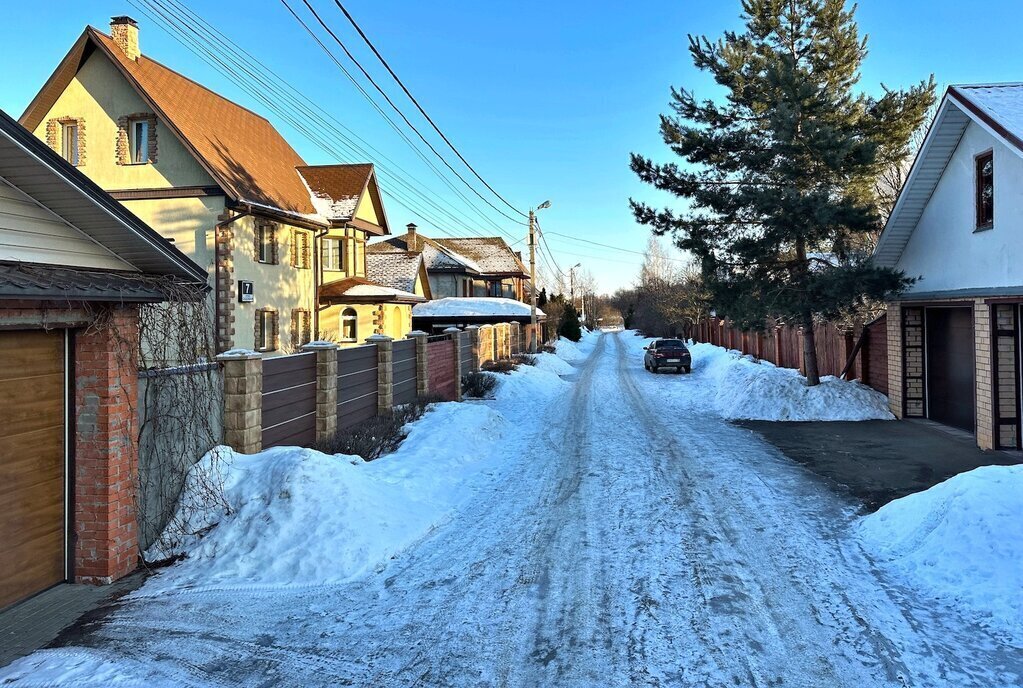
x=878 y=461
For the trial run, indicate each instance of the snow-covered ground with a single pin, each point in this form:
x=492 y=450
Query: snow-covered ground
x=961 y=541
x=612 y=529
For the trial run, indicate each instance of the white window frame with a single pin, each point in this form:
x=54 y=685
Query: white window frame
x=138 y=150
x=266 y=330
x=266 y=238
x=337 y=257
x=69 y=148
x=346 y=319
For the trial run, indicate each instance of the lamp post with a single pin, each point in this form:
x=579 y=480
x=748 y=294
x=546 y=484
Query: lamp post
x=571 y=282
x=532 y=275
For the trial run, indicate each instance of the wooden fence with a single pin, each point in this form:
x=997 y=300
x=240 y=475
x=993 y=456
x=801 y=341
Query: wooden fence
x=783 y=346
x=357 y=385
x=289 y=400
x=442 y=379
x=403 y=375
x=306 y=398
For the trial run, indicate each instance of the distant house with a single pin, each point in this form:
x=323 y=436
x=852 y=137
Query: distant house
x=461 y=312
x=954 y=337
x=468 y=266
x=74 y=267
x=220 y=182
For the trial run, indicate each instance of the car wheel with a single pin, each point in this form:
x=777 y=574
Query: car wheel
x=688 y=369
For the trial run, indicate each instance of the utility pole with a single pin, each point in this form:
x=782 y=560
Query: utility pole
x=532 y=275
x=532 y=281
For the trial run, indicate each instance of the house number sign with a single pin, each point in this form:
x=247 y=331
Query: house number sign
x=245 y=291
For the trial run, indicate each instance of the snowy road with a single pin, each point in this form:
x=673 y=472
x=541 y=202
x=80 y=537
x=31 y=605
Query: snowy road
x=637 y=540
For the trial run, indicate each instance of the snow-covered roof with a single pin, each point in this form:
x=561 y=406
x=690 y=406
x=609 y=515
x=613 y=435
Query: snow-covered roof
x=458 y=306
x=395 y=270
x=492 y=255
x=435 y=256
x=362 y=290
x=997 y=108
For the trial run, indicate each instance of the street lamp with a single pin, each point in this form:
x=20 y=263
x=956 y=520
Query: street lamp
x=532 y=274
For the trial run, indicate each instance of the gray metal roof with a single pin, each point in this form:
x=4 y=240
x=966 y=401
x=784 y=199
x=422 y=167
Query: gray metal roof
x=31 y=166
x=54 y=282
x=394 y=270
x=968 y=293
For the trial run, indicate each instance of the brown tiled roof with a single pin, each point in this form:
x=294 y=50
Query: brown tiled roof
x=491 y=254
x=336 y=190
x=241 y=150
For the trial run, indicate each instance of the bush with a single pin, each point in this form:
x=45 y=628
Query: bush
x=524 y=359
x=499 y=366
x=478 y=385
x=379 y=435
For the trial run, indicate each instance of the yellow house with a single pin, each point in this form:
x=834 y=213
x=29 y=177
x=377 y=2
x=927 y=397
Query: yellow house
x=223 y=185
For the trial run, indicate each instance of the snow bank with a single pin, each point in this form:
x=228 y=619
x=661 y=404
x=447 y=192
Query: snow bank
x=743 y=388
x=294 y=516
x=961 y=541
x=570 y=351
x=552 y=363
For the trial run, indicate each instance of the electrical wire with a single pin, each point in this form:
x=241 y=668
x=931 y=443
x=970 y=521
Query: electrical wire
x=415 y=102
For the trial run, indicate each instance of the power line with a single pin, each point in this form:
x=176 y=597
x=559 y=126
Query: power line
x=615 y=248
x=391 y=102
x=415 y=102
x=255 y=84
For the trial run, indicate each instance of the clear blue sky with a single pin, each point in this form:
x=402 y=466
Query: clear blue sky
x=546 y=99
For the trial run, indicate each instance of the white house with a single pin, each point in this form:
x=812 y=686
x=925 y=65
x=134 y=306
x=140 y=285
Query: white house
x=953 y=337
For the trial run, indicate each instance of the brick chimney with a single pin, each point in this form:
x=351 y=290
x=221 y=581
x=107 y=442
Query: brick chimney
x=410 y=239
x=125 y=32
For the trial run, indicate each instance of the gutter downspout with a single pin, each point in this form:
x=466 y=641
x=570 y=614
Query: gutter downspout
x=217 y=268
x=317 y=281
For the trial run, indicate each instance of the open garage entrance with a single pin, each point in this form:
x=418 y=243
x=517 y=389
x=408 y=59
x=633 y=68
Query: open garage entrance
x=950 y=373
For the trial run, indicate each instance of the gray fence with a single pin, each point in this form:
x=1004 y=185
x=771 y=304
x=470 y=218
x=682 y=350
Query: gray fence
x=356 y=385
x=289 y=400
x=403 y=372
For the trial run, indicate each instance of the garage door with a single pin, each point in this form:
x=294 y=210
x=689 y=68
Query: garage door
x=950 y=359
x=32 y=540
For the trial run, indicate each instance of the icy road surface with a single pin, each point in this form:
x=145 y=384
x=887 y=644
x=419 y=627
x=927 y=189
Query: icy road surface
x=639 y=540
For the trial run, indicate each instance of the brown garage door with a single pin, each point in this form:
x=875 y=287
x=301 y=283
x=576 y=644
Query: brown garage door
x=32 y=536
x=950 y=359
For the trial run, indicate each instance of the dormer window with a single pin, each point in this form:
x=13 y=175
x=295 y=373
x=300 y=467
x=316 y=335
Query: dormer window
x=985 y=190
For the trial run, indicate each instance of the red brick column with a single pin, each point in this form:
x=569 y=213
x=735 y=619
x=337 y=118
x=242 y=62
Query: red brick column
x=106 y=455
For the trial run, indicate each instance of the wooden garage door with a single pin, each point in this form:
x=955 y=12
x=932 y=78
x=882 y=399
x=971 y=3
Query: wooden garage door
x=950 y=360
x=31 y=463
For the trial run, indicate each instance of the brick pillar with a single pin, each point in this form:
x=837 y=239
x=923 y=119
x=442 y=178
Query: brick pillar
x=456 y=337
x=243 y=401
x=895 y=377
x=385 y=372
x=422 y=364
x=326 y=388
x=985 y=373
x=106 y=455
x=474 y=340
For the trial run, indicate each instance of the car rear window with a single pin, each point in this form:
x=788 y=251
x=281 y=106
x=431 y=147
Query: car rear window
x=670 y=344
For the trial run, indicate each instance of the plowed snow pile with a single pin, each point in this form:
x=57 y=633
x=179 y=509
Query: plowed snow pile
x=961 y=541
x=290 y=516
x=743 y=388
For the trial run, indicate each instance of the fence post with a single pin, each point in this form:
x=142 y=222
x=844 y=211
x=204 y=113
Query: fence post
x=474 y=341
x=779 y=356
x=456 y=338
x=422 y=374
x=847 y=347
x=385 y=372
x=243 y=400
x=326 y=388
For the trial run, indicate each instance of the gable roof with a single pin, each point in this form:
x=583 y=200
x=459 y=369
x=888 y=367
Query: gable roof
x=31 y=166
x=491 y=254
x=997 y=108
x=436 y=258
x=242 y=151
x=337 y=189
x=395 y=270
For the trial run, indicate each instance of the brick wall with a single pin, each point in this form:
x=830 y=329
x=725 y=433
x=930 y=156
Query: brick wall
x=985 y=410
x=105 y=539
x=441 y=364
x=895 y=358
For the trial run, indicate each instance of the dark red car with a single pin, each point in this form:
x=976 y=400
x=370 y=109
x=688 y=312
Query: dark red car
x=667 y=353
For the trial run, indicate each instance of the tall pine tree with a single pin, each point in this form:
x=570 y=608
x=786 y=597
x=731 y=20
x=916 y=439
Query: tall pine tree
x=780 y=176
